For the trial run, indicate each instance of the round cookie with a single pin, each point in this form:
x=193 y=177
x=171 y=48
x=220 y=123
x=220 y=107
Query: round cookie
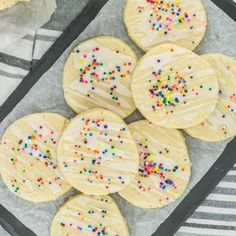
x=221 y=125
x=89 y=216
x=164 y=166
x=174 y=88
x=9 y=3
x=28 y=160
x=98 y=73
x=152 y=22
x=97 y=153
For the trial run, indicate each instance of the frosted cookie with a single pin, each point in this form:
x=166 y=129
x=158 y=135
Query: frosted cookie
x=89 y=216
x=98 y=73
x=164 y=166
x=152 y=22
x=28 y=160
x=174 y=88
x=221 y=125
x=97 y=153
x=9 y=3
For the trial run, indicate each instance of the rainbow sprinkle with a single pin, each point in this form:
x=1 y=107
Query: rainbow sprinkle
x=166 y=15
x=30 y=145
x=92 y=71
x=95 y=129
x=97 y=229
x=148 y=166
x=168 y=88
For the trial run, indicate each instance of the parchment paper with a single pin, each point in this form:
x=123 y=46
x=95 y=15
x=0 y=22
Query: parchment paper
x=24 y=18
x=47 y=95
x=3 y=232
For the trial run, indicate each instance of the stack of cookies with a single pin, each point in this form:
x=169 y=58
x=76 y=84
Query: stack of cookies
x=43 y=155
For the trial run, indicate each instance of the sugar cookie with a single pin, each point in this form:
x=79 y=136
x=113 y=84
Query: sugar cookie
x=164 y=166
x=9 y=3
x=174 y=88
x=98 y=73
x=89 y=216
x=28 y=160
x=97 y=153
x=152 y=22
x=221 y=125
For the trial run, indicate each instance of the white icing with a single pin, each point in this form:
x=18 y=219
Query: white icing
x=96 y=88
x=103 y=152
x=159 y=155
x=221 y=124
x=140 y=26
x=29 y=166
x=186 y=71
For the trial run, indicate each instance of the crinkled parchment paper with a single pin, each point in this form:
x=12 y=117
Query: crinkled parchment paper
x=47 y=95
x=24 y=18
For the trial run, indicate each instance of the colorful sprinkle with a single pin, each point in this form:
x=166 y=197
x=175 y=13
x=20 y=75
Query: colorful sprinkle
x=173 y=15
x=150 y=167
x=93 y=71
x=97 y=154
x=30 y=148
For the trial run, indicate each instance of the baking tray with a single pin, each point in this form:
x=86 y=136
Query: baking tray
x=224 y=163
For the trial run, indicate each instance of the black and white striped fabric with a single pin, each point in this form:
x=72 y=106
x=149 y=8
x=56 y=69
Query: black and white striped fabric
x=17 y=60
x=217 y=214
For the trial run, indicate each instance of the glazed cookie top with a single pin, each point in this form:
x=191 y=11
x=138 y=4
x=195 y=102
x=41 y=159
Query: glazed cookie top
x=164 y=166
x=9 y=3
x=152 y=22
x=221 y=125
x=97 y=153
x=98 y=73
x=89 y=216
x=174 y=88
x=28 y=160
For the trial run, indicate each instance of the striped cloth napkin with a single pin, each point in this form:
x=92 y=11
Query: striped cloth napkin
x=17 y=60
x=217 y=214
